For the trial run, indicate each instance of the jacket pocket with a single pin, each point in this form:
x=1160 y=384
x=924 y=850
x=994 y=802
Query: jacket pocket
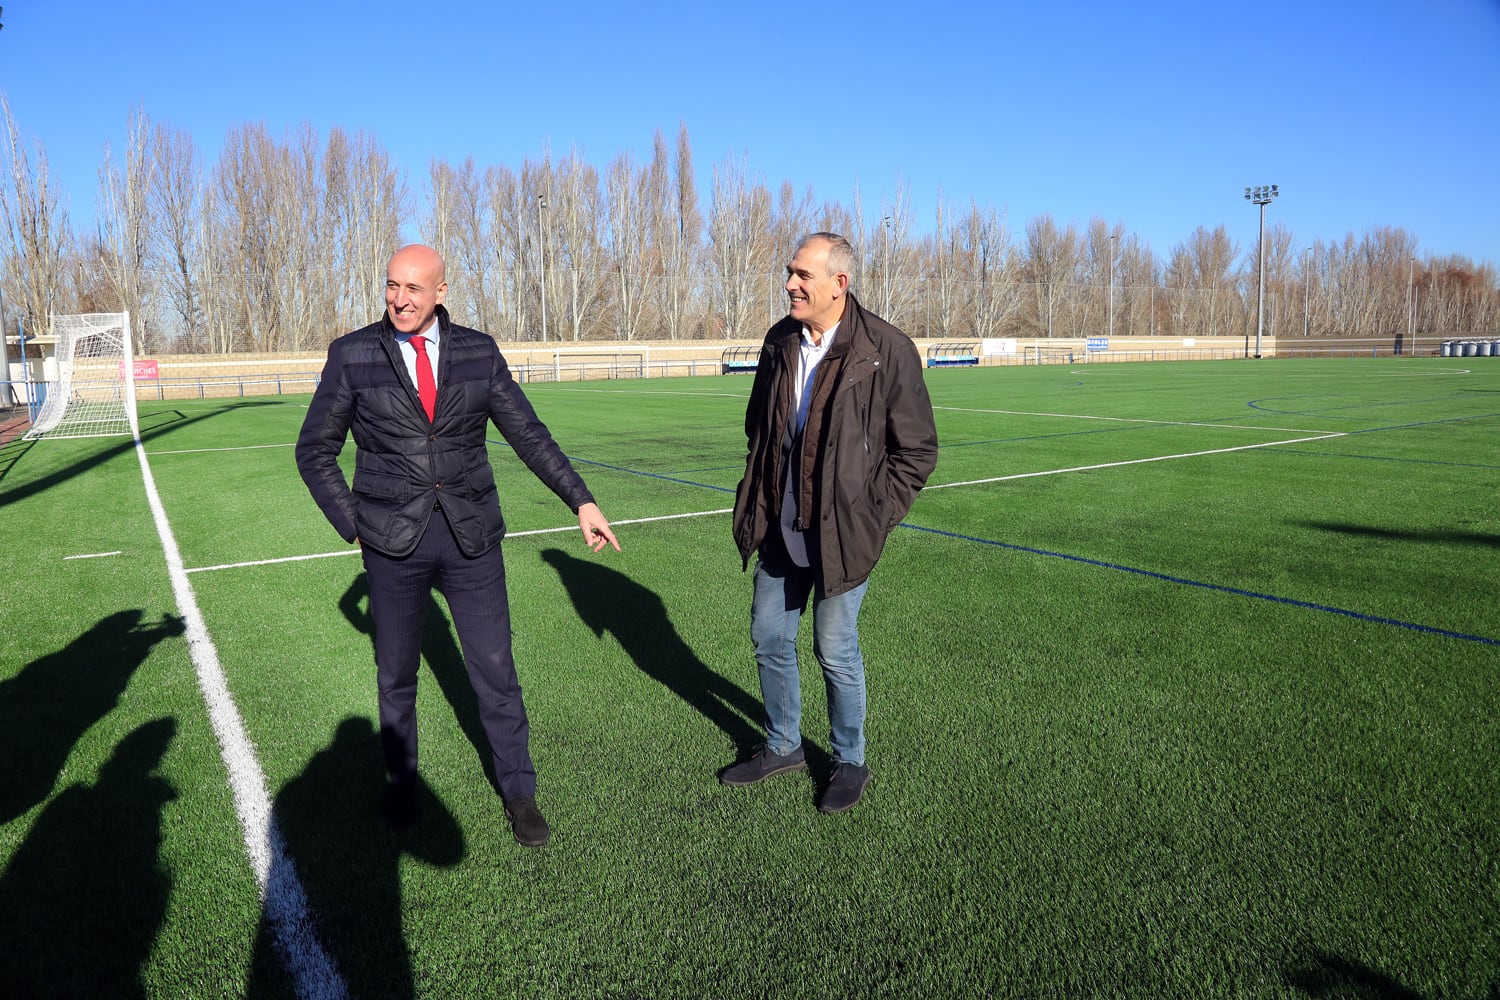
x=378 y=487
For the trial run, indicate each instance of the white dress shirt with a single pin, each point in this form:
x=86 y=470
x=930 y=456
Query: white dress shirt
x=809 y=355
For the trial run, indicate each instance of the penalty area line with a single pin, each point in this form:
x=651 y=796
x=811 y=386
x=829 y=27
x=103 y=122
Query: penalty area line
x=1135 y=461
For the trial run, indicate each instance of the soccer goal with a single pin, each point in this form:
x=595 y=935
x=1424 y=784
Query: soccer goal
x=1057 y=355
x=93 y=394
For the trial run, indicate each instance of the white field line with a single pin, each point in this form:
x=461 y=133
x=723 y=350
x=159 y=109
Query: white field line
x=245 y=447
x=1134 y=420
x=509 y=535
x=1133 y=461
x=283 y=898
x=94 y=555
x=656 y=392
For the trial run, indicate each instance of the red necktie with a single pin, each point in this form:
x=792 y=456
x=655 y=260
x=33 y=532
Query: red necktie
x=426 y=387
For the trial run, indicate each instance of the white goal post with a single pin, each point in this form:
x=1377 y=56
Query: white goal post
x=93 y=393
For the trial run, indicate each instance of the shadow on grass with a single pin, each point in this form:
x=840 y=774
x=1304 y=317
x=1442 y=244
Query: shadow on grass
x=46 y=707
x=1330 y=976
x=83 y=898
x=444 y=658
x=609 y=601
x=348 y=863
x=177 y=421
x=1442 y=537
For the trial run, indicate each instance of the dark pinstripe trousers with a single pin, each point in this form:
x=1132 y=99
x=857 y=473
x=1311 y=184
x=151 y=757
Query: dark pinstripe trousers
x=475 y=591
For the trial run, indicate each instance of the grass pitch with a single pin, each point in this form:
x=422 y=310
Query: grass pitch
x=1182 y=684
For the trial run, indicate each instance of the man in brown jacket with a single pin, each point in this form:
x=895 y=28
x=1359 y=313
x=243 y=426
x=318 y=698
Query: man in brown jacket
x=841 y=439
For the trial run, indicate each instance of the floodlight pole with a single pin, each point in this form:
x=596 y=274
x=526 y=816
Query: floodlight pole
x=1262 y=196
x=885 y=267
x=7 y=396
x=1112 y=244
x=1306 y=290
x=1411 y=315
x=541 y=252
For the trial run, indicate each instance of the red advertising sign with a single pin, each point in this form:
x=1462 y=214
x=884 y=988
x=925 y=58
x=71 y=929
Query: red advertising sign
x=142 y=368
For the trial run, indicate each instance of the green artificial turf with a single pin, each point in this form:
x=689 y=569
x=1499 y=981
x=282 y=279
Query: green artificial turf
x=1198 y=717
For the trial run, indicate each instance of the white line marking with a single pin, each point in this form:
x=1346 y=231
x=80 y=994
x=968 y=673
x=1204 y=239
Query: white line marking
x=1137 y=420
x=201 y=451
x=286 y=908
x=93 y=555
x=509 y=535
x=1133 y=461
x=652 y=392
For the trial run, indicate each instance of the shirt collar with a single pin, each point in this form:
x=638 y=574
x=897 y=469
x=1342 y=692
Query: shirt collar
x=431 y=334
x=807 y=341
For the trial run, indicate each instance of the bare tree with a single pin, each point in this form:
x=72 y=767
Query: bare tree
x=36 y=228
x=575 y=220
x=1051 y=261
x=125 y=223
x=449 y=229
x=175 y=213
x=628 y=243
x=994 y=296
x=1202 y=280
x=514 y=252
x=679 y=238
x=739 y=232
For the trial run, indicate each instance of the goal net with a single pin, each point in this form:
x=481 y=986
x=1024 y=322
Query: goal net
x=93 y=393
x=1058 y=355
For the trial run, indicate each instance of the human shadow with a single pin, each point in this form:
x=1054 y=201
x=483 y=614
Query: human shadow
x=59 y=476
x=1324 y=975
x=84 y=896
x=347 y=863
x=444 y=658
x=12 y=452
x=609 y=601
x=1440 y=536
x=46 y=707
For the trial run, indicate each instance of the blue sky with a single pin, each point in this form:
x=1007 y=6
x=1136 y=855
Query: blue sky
x=1154 y=116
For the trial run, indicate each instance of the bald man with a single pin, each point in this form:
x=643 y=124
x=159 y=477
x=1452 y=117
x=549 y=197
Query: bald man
x=418 y=392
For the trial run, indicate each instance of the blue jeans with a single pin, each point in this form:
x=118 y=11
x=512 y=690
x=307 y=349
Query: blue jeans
x=781 y=593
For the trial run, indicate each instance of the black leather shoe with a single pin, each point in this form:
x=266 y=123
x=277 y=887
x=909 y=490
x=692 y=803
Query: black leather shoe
x=526 y=821
x=845 y=788
x=762 y=764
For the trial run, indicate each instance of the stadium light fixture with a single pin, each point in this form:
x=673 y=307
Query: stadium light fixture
x=1262 y=195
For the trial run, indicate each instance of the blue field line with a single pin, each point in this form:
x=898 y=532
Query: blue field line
x=1220 y=588
x=1327 y=411
x=648 y=475
x=1427 y=423
x=1381 y=458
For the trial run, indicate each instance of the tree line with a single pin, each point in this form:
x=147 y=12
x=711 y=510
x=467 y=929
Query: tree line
x=279 y=244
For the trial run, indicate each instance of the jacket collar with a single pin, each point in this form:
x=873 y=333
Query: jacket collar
x=853 y=333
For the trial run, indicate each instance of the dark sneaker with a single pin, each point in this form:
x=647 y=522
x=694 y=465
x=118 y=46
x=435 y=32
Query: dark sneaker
x=526 y=821
x=845 y=788
x=762 y=764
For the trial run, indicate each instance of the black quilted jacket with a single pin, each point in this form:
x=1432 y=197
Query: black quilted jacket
x=407 y=470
